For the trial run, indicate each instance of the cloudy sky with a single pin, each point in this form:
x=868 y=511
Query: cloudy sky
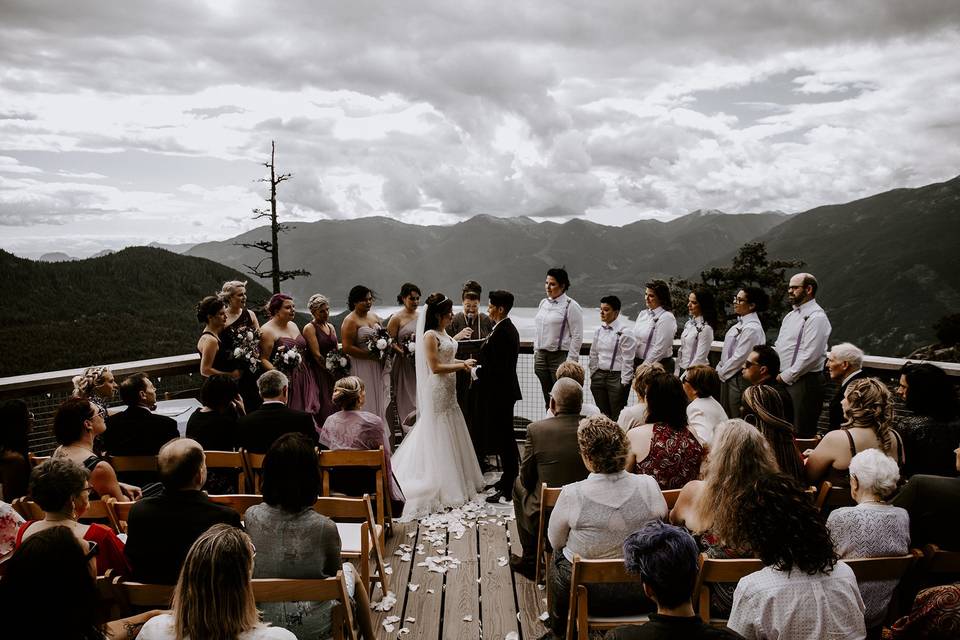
x=124 y=123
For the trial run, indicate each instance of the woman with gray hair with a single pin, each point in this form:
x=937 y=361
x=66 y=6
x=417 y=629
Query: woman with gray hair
x=593 y=517
x=321 y=339
x=873 y=528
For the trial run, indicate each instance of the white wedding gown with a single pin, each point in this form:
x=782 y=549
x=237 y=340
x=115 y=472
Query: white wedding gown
x=436 y=465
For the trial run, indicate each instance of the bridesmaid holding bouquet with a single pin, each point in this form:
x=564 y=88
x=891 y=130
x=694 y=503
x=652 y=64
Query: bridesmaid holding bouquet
x=321 y=338
x=282 y=347
x=359 y=329
x=403 y=370
x=241 y=322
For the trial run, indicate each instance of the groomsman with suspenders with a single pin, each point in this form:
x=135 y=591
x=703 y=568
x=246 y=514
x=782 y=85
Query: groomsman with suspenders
x=740 y=339
x=559 y=331
x=611 y=359
x=802 y=347
x=655 y=328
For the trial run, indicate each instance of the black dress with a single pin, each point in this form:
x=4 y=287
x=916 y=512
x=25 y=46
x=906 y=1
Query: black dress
x=248 y=378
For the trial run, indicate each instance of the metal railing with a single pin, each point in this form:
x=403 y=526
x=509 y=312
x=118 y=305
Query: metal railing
x=45 y=391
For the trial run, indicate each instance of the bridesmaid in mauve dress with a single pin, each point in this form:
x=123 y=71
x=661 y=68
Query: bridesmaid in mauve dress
x=303 y=392
x=403 y=367
x=239 y=320
x=358 y=327
x=321 y=339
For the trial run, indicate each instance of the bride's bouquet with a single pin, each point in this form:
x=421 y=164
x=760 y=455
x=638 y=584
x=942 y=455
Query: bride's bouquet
x=379 y=343
x=247 y=348
x=338 y=363
x=286 y=359
x=409 y=345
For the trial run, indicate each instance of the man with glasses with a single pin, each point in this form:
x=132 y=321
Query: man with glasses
x=761 y=367
x=802 y=347
x=740 y=339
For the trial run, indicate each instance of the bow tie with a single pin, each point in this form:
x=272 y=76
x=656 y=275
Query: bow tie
x=554 y=301
x=606 y=327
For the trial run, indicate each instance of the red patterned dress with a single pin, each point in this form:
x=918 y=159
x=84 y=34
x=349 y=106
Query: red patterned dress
x=674 y=458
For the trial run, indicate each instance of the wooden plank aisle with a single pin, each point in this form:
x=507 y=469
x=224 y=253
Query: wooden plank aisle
x=424 y=607
x=401 y=573
x=462 y=592
x=496 y=584
x=530 y=600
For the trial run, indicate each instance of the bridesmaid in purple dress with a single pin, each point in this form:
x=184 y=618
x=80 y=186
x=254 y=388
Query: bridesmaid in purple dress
x=282 y=331
x=403 y=368
x=321 y=338
x=359 y=326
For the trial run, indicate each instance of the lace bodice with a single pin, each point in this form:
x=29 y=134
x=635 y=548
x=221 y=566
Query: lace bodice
x=444 y=385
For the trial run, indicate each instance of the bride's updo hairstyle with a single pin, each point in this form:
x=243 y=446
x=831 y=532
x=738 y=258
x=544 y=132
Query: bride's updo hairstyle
x=438 y=305
x=346 y=392
x=357 y=294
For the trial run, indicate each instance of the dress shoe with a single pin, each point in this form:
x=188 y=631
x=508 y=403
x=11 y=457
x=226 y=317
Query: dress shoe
x=492 y=485
x=499 y=497
x=522 y=566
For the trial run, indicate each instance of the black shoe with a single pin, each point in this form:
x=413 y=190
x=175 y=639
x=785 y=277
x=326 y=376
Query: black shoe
x=491 y=486
x=522 y=566
x=498 y=498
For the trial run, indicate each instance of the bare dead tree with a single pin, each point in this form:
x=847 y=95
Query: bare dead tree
x=271 y=246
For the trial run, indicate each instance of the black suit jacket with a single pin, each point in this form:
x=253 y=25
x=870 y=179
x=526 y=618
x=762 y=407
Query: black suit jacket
x=498 y=364
x=836 y=410
x=136 y=431
x=259 y=429
x=161 y=530
x=933 y=503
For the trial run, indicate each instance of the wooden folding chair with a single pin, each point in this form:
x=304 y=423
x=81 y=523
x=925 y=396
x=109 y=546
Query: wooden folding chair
x=239 y=502
x=252 y=467
x=671 y=495
x=118 y=513
x=37 y=460
x=885 y=568
x=713 y=571
x=96 y=510
x=230 y=461
x=122 y=464
x=587 y=572
x=360 y=536
x=375 y=461
x=548 y=500
x=831 y=497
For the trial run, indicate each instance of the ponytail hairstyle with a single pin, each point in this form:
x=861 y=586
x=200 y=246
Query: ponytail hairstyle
x=347 y=391
x=437 y=305
x=869 y=406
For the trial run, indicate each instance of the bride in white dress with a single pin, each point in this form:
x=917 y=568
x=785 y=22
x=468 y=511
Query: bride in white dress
x=435 y=464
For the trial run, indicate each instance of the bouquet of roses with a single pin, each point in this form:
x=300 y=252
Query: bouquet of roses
x=409 y=345
x=379 y=343
x=247 y=348
x=338 y=363
x=286 y=359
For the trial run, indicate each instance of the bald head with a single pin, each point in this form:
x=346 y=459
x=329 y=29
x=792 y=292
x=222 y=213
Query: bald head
x=180 y=464
x=566 y=397
x=802 y=288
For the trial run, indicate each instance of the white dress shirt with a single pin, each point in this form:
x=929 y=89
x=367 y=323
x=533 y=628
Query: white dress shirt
x=802 y=343
x=778 y=604
x=703 y=415
x=559 y=326
x=612 y=349
x=695 y=343
x=655 y=327
x=740 y=340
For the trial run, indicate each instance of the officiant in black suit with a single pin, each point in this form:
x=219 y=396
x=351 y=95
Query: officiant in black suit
x=471 y=328
x=499 y=389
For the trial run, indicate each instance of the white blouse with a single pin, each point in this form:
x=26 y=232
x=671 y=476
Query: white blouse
x=559 y=326
x=656 y=328
x=695 y=342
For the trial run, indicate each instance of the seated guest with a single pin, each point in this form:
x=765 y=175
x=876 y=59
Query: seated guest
x=213 y=597
x=59 y=486
x=161 y=529
x=636 y=415
x=592 y=517
x=77 y=422
x=665 y=558
x=935 y=616
x=933 y=503
x=550 y=454
x=761 y=367
x=97 y=385
x=352 y=428
x=16 y=420
x=763 y=408
x=710 y=508
x=10 y=522
x=573 y=370
x=934 y=427
x=844 y=364
x=214 y=425
x=274 y=418
x=137 y=431
x=873 y=528
x=702 y=387
x=294 y=541
x=665 y=448
x=49 y=591
x=782 y=526
x=868 y=424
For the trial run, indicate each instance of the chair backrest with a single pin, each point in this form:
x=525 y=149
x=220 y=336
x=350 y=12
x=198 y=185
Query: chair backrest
x=37 y=460
x=671 y=495
x=27 y=509
x=346 y=509
x=230 y=460
x=713 y=570
x=138 y=594
x=936 y=560
x=586 y=572
x=239 y=502
x=123 y=464
x=252 y=465
x=30 y=510
x=831 y=496
x=807 y=443
x=883 y=568
x=119 y=513
x=373 y=459
x=548 y=500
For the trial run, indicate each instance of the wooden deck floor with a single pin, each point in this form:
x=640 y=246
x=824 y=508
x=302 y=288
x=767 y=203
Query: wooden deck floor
x=478 y=597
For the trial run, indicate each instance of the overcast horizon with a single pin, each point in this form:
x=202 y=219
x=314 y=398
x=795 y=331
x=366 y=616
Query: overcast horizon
x=128 y=123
